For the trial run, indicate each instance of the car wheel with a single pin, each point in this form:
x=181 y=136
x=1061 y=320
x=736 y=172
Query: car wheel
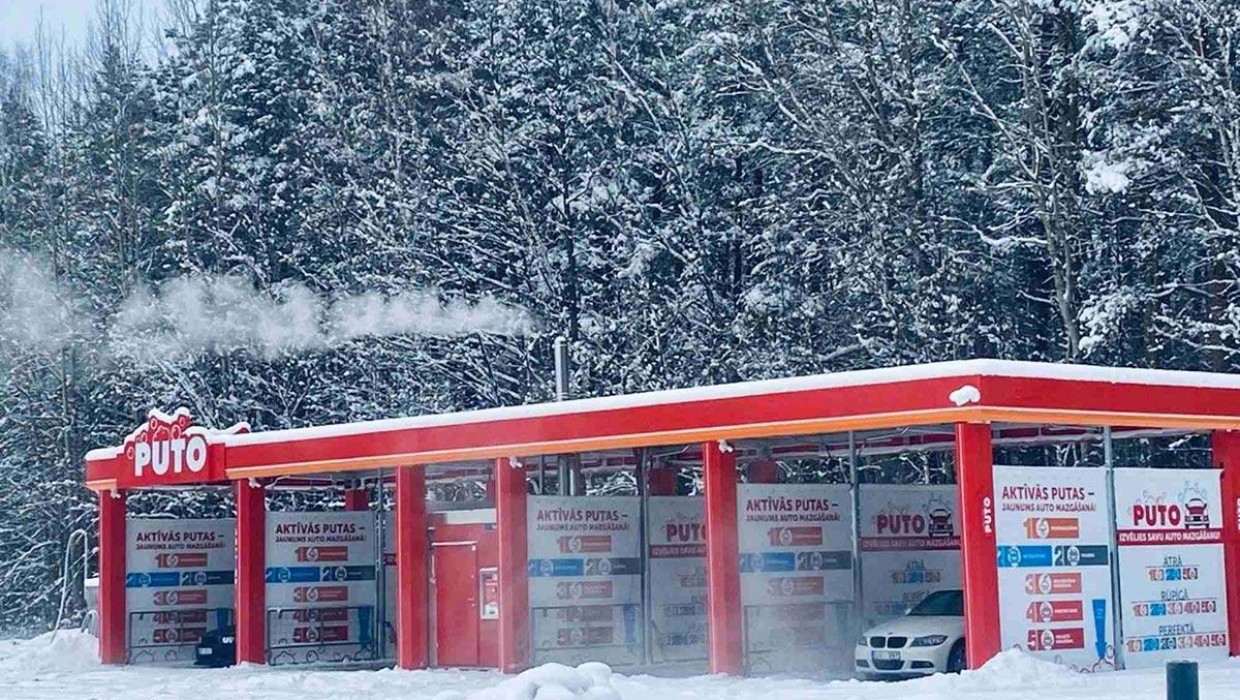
x=955 y=658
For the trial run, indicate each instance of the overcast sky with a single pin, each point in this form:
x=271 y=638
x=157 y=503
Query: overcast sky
x=19 y=19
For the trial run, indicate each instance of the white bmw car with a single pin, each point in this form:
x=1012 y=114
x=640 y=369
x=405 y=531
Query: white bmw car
x=928 y=639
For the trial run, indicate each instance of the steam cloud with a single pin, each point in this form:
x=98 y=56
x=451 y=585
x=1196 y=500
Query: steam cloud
x=221 y=314
x=193 y=315
x=34 y=312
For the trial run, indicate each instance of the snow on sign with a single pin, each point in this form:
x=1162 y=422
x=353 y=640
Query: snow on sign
x=910 y=539
x=1173 y=587
x=796 y=573
x=1053 y=528
x=322 y=591
x=169 y=449
x=585 y=579
x=178 y=585
x=677 y=555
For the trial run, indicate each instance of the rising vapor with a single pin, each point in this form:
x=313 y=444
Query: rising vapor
x=210 y=313
x=35 y=312
x=200 y=314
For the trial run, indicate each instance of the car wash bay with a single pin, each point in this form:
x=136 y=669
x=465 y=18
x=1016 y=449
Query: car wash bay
x=619 y=578
x=628 y=577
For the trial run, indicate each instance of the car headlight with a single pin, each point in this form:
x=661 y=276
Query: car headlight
x=862 y=642
x=227 y=640
x=932 y=640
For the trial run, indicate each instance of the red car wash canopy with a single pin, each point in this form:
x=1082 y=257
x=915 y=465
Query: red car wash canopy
x=1012 y=529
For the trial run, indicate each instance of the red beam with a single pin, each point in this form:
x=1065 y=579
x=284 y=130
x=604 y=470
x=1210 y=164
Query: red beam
x=978 y=547
x=112 y=614
x=1113 y=397
x=1226 y=446
x=626 y=423
x=412 y=601
x=98 y=470
x=836 y=402
x=251 y=590
x=514 y=595
x=723 y=568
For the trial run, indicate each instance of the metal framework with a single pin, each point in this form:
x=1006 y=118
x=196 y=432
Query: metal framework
x=972 y=397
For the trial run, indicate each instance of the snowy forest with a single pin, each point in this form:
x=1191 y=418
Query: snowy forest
x=295 y=212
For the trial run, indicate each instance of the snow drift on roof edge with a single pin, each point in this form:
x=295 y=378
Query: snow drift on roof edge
x=937 y=370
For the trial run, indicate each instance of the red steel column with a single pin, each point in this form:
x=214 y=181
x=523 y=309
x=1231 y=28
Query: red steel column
x=978 y=547
x=1226 y=447
x=112 y=614
x=514 y=596
x=356 y=499
x=251 y=591
x=412 y=604
x=723 y=568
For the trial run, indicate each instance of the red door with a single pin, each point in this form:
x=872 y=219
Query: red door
x=456 y=603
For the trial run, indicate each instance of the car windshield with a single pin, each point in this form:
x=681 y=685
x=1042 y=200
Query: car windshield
x=941 y=603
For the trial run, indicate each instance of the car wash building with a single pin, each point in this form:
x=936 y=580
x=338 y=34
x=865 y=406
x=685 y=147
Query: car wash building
x=1089 y=515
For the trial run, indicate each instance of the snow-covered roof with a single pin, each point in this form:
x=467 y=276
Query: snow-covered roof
x=180 y=414
x=939 y=370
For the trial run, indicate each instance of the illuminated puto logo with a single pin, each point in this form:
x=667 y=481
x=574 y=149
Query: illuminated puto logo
x=162 y=446
x=168 y=448
x=175 y=455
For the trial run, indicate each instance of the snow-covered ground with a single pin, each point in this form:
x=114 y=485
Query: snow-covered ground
x=66 y=669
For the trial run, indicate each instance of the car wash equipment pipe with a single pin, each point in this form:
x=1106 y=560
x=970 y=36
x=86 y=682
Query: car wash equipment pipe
x=1117 y=617
x=84 y=536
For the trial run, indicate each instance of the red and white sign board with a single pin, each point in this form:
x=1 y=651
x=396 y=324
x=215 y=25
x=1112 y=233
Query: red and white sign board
x=170 y=449
x=178 y=585
x=1172 y=580
x=676 y=547
x=322 y=592
x=910 y=543
x=796 y=573
x=1053 y=531
x=585 y=579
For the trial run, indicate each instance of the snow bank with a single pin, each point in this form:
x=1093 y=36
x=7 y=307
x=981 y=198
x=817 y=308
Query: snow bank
x=42 y=670
x=1010 y=670
x=1015 y=668
x=65 y=651
x=590 y=681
